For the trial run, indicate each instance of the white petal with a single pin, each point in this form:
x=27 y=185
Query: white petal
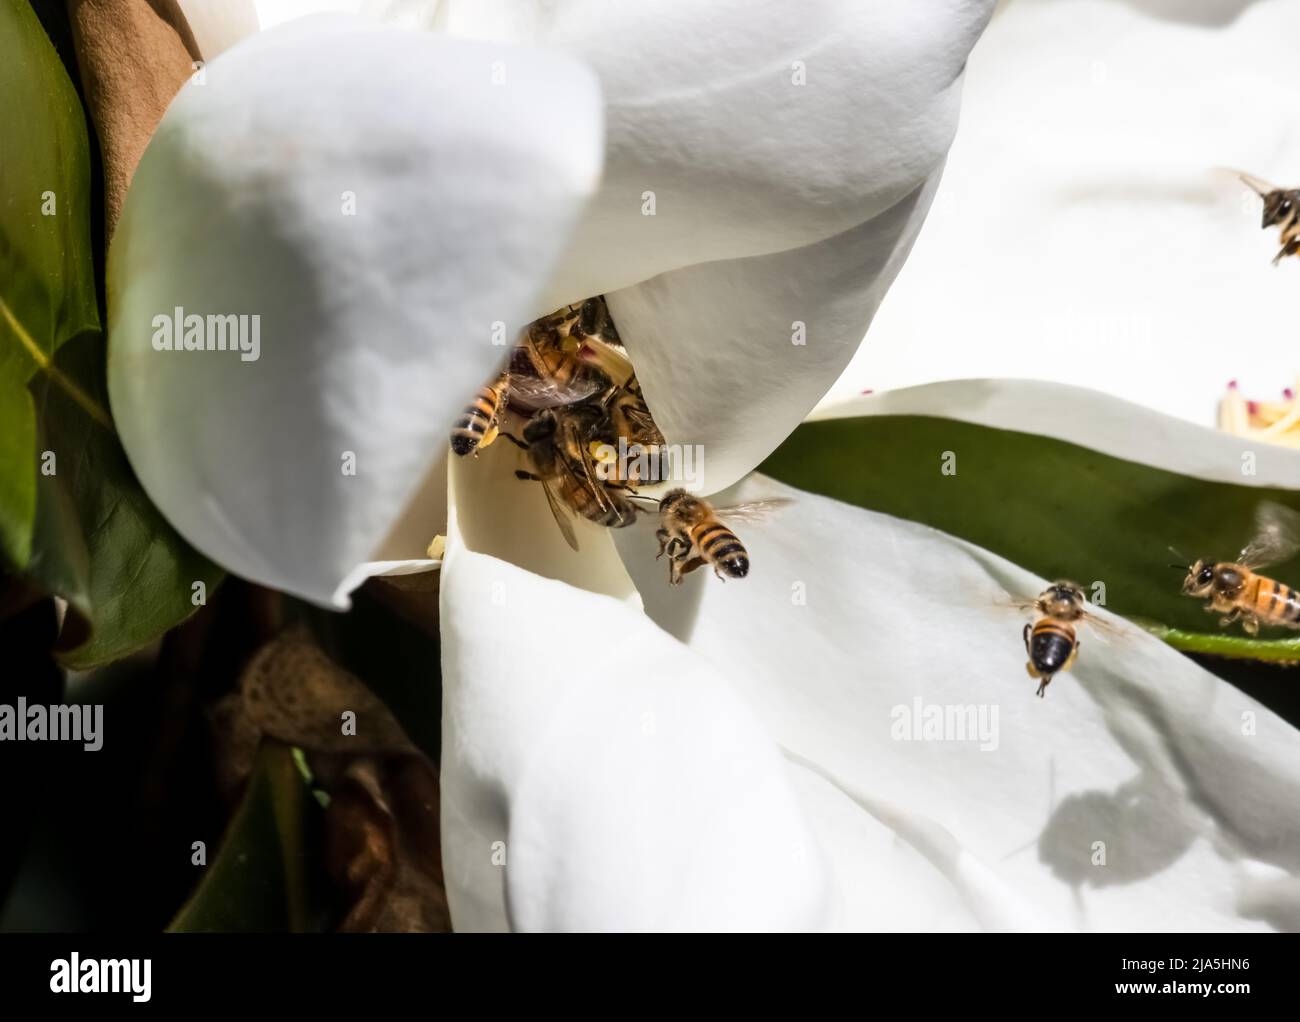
x=732 y=355
x=1083 y=234
x=706 y=112
x=376 y=327
x=766 y=166
x=1139 y=748
x=219 y=24
x=1088 y=418
x=276 y=12
x=597 y=776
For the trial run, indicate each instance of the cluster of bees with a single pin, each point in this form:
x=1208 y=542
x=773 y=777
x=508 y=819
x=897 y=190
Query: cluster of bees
x=1232 y=589
x=570 y=381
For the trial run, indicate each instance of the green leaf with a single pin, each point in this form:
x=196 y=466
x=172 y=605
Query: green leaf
x=140 y=573
x=47 y=284
x=72 y=514
x=1059 y=510
x=263 y=879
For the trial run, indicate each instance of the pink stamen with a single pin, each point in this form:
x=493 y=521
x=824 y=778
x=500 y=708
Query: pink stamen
x=1232 y=384
x=1289 y=394
x=1252 y=407
x=868 y=391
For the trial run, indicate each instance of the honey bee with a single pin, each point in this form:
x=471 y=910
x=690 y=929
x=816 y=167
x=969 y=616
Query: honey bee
x=1282 y=210
x=569 y=356
x=558 y=442
x=1052 y=641
x=1233 y=589
x=480 y=422
x=630 y=421
x=692 y=534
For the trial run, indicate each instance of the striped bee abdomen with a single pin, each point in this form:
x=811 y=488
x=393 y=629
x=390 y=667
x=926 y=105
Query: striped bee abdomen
x=1275 y=603
x=477 y=426
x=719 y=546
x=1050 y=644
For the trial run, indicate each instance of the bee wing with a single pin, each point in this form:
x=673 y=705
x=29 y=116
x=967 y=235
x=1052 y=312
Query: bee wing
x=1277 y=536
x=1013 y=604
x=1100 y=627
x=561 y=513
x=534 y=391
x=752 y=511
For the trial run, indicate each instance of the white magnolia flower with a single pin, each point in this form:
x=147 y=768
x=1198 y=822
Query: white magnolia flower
x=725 y=757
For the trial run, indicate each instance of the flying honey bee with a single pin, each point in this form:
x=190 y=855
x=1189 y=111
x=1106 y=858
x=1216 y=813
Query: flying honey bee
x=692 y=534
x=1282 y=210
x=1233 y=589
x=1052 y=641
x=558 y=442
x=480 y=422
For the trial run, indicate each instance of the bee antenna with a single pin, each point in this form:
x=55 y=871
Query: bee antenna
x=1180 y=567
x=1254 y=184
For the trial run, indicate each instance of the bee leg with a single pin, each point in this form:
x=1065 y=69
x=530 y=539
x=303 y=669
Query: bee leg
x=662 y=536
x=1028 y=628
x=521 y=474
x=1229 y=618
x=512 y=438
x=1042 y=685
x=1251 y=624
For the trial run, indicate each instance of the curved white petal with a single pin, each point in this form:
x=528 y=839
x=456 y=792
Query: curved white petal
x=1141 y=793
x=219 y=24
x=380 y=204
x=756 y=127
x=598 y=776
x=733 y=354
x=1088 y=418
x=1083 y=233
x=767 y=165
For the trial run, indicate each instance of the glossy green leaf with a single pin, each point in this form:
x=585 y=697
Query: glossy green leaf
x=264 y=878
x=47 y=285
x=72 y=515
x=1059 y=510
x=140 y=574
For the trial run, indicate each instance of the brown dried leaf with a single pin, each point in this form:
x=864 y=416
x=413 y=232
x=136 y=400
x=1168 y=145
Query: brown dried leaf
x=294 y=692
x=383 y=848
x=134 y=55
